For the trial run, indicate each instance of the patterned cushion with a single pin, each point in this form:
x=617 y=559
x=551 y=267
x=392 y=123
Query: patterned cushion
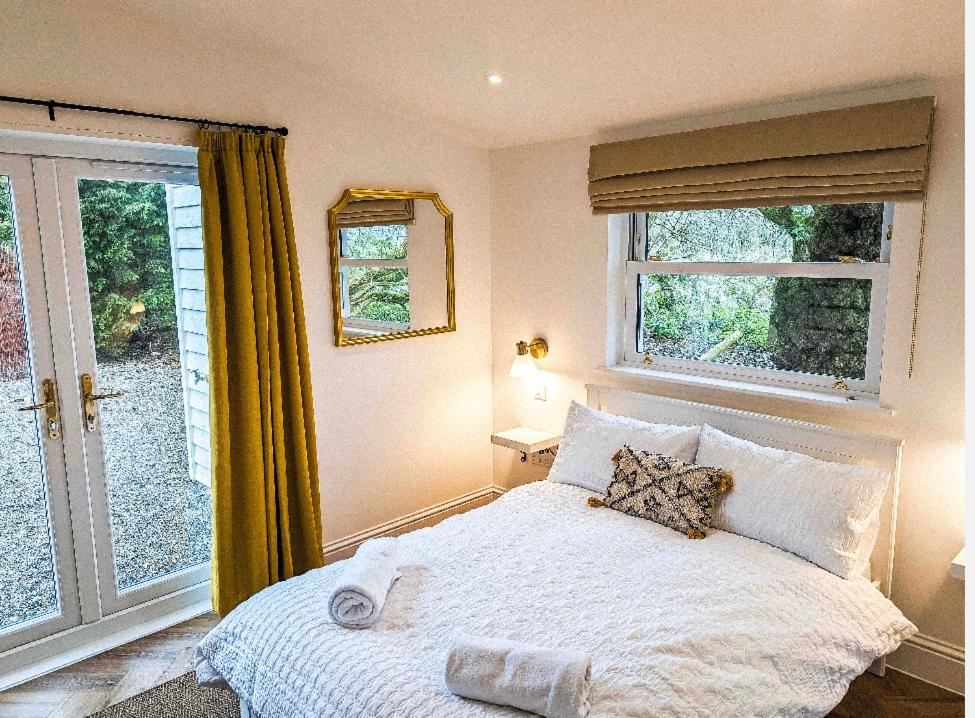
x=665 y=490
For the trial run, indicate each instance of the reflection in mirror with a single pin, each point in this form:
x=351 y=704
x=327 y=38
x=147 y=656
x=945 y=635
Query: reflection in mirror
x=392 y=265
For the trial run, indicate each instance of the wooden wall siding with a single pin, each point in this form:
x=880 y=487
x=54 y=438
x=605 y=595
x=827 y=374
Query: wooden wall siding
x=186 y=235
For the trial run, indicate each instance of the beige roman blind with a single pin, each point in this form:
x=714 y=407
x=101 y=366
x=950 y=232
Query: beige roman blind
x=871 y=153
x=376 y=212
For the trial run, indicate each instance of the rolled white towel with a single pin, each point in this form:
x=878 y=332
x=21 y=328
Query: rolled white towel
x=360 y=589
x=551 y=682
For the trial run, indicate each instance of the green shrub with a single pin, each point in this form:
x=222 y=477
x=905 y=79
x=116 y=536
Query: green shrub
x=811 y=325
x=128 y=258
x=127 y=251
x=378 y=293
x=821 y=326
x=708 y=308
x=6 y=217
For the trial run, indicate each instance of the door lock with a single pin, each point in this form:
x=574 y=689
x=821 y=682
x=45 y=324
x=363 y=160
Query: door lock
x=50 y=408
x=89 y=397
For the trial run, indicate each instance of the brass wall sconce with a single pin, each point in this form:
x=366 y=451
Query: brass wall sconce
x=524 y=365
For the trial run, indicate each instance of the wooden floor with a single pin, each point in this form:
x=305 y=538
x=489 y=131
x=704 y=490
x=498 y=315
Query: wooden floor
x=91 y=685
x=106 y=679
x=897 y=695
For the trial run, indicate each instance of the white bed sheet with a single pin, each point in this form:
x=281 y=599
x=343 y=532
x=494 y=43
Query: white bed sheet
x=726 y=626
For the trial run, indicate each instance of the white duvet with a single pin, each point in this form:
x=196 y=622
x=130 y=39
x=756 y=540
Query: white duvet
x=726 y=626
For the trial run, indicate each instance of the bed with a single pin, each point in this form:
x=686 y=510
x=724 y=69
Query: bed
x=727 y=626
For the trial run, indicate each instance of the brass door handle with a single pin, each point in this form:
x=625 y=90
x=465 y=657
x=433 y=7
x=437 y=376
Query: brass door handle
x=99 y=397
x=50 y=407
x=37 y=407
x=89 y=397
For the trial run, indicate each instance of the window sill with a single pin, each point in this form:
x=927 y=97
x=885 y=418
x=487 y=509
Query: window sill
x=862 y=404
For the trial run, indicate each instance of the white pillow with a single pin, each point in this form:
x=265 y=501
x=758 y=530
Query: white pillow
x=867 y=542
x=819 y=510
x=590 y=438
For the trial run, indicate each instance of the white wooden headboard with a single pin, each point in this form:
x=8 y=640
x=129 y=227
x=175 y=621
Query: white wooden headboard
x=816 y=440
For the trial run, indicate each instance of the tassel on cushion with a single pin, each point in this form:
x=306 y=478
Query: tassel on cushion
x=594 y=502
x=726 y=481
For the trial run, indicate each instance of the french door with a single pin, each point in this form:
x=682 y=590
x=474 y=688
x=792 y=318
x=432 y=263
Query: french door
x=104 y=458
x=38 y=580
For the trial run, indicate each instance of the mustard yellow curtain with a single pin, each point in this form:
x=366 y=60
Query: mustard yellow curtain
x=266 y=511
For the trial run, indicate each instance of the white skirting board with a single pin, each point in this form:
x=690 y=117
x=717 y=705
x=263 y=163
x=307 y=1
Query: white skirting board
x=932 y=661
x=346 y=546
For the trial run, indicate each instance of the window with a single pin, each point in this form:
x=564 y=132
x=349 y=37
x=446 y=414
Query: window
x=783 y=295
x=375 y=278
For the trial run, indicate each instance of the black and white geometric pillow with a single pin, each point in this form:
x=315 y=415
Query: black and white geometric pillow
x=665 y=490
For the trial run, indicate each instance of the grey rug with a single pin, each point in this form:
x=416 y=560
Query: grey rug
x=178 y=698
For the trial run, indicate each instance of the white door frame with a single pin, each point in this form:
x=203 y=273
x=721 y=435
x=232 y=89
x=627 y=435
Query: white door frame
x=42 y=365
x=69 y=171
x=93 y=623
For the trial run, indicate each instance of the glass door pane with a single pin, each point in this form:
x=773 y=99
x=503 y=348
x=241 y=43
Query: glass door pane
x=160 y=513
x=147 y=419
x=28 y=589
x=37 y=585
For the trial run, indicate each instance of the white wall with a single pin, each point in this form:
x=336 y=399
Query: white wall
x=549 y=266
x=404 y=424
x=401 y=425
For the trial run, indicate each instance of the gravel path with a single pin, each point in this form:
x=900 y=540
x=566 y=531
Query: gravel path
x=26 y=568
x=160 y=517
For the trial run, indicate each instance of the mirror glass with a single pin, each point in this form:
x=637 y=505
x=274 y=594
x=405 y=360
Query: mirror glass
x=392 y=265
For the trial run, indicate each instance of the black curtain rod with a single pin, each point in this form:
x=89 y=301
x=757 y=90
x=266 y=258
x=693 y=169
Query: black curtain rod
x=53 y=105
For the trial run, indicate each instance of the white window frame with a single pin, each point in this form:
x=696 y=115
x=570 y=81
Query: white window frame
x=356 y=324
x=877 y=272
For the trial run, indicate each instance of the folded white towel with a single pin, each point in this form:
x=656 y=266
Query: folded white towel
x=551 y=682
x=360 y=589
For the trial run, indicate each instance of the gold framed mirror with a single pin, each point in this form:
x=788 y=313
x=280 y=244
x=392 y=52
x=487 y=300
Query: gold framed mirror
x=392 y=256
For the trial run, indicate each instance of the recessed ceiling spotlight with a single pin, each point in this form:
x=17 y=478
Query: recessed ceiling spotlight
x=495 y=79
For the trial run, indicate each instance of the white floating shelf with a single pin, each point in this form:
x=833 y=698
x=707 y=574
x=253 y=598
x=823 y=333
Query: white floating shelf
x=526 y=440
x=958 y=566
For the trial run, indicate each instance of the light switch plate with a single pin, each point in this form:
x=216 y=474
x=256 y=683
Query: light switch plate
x=541 y=392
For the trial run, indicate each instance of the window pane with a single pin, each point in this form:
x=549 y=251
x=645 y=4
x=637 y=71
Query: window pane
x=379 y=294
x=153 y=348
x=801 y=324
x=387 y=241
x=803 y=233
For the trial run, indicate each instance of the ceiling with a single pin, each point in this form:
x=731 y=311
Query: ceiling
x=572 y=67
